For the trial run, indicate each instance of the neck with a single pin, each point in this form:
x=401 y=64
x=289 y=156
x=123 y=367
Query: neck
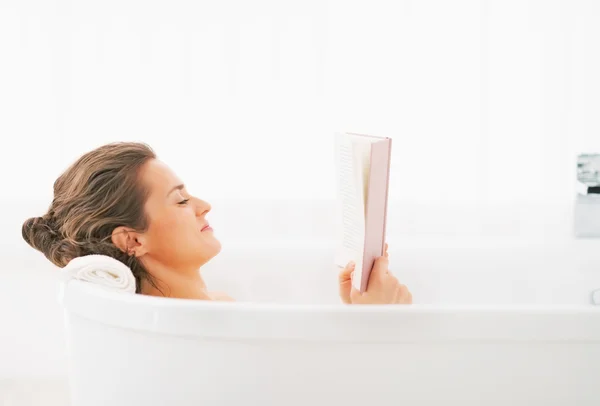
x=176 y=283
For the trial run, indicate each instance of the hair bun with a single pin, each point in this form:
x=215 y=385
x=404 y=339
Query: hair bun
x=39 y=233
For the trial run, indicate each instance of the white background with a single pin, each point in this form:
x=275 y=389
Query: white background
x=488 y=104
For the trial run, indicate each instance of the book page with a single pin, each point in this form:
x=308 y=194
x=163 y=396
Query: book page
x=351 y=204
x=351 y=209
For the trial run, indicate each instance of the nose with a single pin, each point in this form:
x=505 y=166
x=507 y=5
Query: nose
x=202 y=207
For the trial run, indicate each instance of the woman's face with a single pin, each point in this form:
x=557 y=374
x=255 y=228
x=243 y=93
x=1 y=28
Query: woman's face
x=178 y=235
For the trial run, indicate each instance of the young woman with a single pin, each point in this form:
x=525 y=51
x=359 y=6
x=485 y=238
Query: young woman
x=120 y=200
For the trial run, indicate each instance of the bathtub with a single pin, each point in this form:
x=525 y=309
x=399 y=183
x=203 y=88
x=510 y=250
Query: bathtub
x=494 y=323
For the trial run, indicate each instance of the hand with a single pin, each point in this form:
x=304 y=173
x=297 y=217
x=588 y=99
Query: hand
x=383 y=287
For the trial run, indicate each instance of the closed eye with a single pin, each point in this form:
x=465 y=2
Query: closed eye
x=184 y=201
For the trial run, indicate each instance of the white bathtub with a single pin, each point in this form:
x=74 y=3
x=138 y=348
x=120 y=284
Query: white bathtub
x=475 y=335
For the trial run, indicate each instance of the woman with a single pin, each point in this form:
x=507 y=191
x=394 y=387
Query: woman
x=120 y=200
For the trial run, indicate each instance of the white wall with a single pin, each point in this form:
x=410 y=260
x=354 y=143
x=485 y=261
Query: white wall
x=488 y=103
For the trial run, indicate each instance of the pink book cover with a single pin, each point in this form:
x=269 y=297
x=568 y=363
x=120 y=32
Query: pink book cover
x=376 y=205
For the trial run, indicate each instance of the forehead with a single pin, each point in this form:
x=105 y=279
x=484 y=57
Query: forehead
x=159 y=177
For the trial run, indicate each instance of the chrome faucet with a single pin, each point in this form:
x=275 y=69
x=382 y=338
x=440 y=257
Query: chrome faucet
x=587 y=204
x=595 y=297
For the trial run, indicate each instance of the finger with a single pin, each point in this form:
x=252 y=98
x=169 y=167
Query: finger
x=404 y=294
x=344 y=275
x=380 y=268
x=388 y=272
x=345 y=283
x=396 y=295
x=385 y=251
x=355 y=295
x=344 y=292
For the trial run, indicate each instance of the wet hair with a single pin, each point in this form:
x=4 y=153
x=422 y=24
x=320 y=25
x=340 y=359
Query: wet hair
x=98 y=193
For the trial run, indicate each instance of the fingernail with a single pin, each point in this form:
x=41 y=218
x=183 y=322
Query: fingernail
x=351 y=264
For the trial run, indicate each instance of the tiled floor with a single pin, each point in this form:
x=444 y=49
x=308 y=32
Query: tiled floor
x=34 y=393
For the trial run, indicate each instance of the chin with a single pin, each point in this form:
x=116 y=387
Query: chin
x=217 y=248
x=210 y=250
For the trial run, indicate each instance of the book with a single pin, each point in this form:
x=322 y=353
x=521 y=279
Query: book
x=363 y=171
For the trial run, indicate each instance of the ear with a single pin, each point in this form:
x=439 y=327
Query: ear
x=129 y=241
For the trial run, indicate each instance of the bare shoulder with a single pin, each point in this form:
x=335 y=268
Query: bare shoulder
x=221 y=296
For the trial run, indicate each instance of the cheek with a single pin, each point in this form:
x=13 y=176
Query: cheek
x=173 y=227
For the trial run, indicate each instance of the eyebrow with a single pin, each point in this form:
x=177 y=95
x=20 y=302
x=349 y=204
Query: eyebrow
x=178 y=187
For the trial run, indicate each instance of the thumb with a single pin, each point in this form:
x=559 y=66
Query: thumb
x=346 y=272
x=345 y=281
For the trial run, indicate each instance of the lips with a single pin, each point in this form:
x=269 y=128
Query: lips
x=207 y=227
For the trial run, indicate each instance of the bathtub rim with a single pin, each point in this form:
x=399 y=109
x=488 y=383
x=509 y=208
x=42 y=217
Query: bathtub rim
x=330 y=322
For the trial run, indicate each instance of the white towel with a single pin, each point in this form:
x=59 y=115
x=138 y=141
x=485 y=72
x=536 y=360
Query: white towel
x=101 y=270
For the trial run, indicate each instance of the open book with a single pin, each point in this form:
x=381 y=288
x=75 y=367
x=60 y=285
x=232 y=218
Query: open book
x=363 y=167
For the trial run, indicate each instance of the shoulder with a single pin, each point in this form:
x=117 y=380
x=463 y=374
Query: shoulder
x=220 y=296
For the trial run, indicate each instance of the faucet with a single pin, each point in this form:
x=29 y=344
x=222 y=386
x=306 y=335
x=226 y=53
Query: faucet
x=595 y=297
x=587 y=203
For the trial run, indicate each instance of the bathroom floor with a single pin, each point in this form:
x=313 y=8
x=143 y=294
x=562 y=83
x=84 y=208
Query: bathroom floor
x=34 y=392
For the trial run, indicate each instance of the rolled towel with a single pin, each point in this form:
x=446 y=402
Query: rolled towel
x=101 y=270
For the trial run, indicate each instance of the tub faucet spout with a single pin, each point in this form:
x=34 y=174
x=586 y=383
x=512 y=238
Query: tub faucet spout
x=587 y=203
